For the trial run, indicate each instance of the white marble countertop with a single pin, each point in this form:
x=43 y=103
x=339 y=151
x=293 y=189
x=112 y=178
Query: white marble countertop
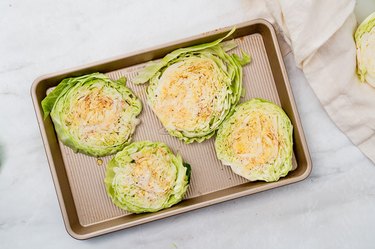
x=333 y=208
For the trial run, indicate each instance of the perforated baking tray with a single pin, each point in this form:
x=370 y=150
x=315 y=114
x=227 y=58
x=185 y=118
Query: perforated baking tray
x=87 y=210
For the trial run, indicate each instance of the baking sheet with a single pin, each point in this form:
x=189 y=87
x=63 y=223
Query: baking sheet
x=90 y=211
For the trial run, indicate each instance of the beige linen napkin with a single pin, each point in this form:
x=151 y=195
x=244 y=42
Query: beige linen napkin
x=320 y=34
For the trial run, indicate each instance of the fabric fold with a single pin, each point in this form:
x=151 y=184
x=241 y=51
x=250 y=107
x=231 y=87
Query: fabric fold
x=320 y=34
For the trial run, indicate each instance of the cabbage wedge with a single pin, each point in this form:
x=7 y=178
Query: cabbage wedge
x=365 y=43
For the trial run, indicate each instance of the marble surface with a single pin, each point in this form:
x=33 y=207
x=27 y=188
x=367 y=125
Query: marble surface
x=333 y=208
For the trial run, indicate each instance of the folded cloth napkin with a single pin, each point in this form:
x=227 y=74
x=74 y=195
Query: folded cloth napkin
x=320 y=34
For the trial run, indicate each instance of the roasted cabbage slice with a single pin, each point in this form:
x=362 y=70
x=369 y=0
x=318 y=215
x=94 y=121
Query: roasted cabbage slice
x=256 y=141
x=192 y=90
x=93 y=114
x=146 y=177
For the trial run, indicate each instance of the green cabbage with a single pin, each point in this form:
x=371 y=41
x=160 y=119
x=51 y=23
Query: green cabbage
x=365 y=43
x=192 y=90
x=146 y=177
x=93 y=114
x=256 y=141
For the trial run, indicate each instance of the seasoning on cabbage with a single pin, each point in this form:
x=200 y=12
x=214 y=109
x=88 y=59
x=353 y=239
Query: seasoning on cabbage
x=146 y=177
x=93 y=114
x=192 y=90
x=256 y=141
x=365 y=43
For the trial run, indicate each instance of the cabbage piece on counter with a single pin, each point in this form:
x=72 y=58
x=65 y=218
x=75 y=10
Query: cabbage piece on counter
x=146 y=177
x=365 y=43
x=256 y=141
x=93 y=114
x=192 y=90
